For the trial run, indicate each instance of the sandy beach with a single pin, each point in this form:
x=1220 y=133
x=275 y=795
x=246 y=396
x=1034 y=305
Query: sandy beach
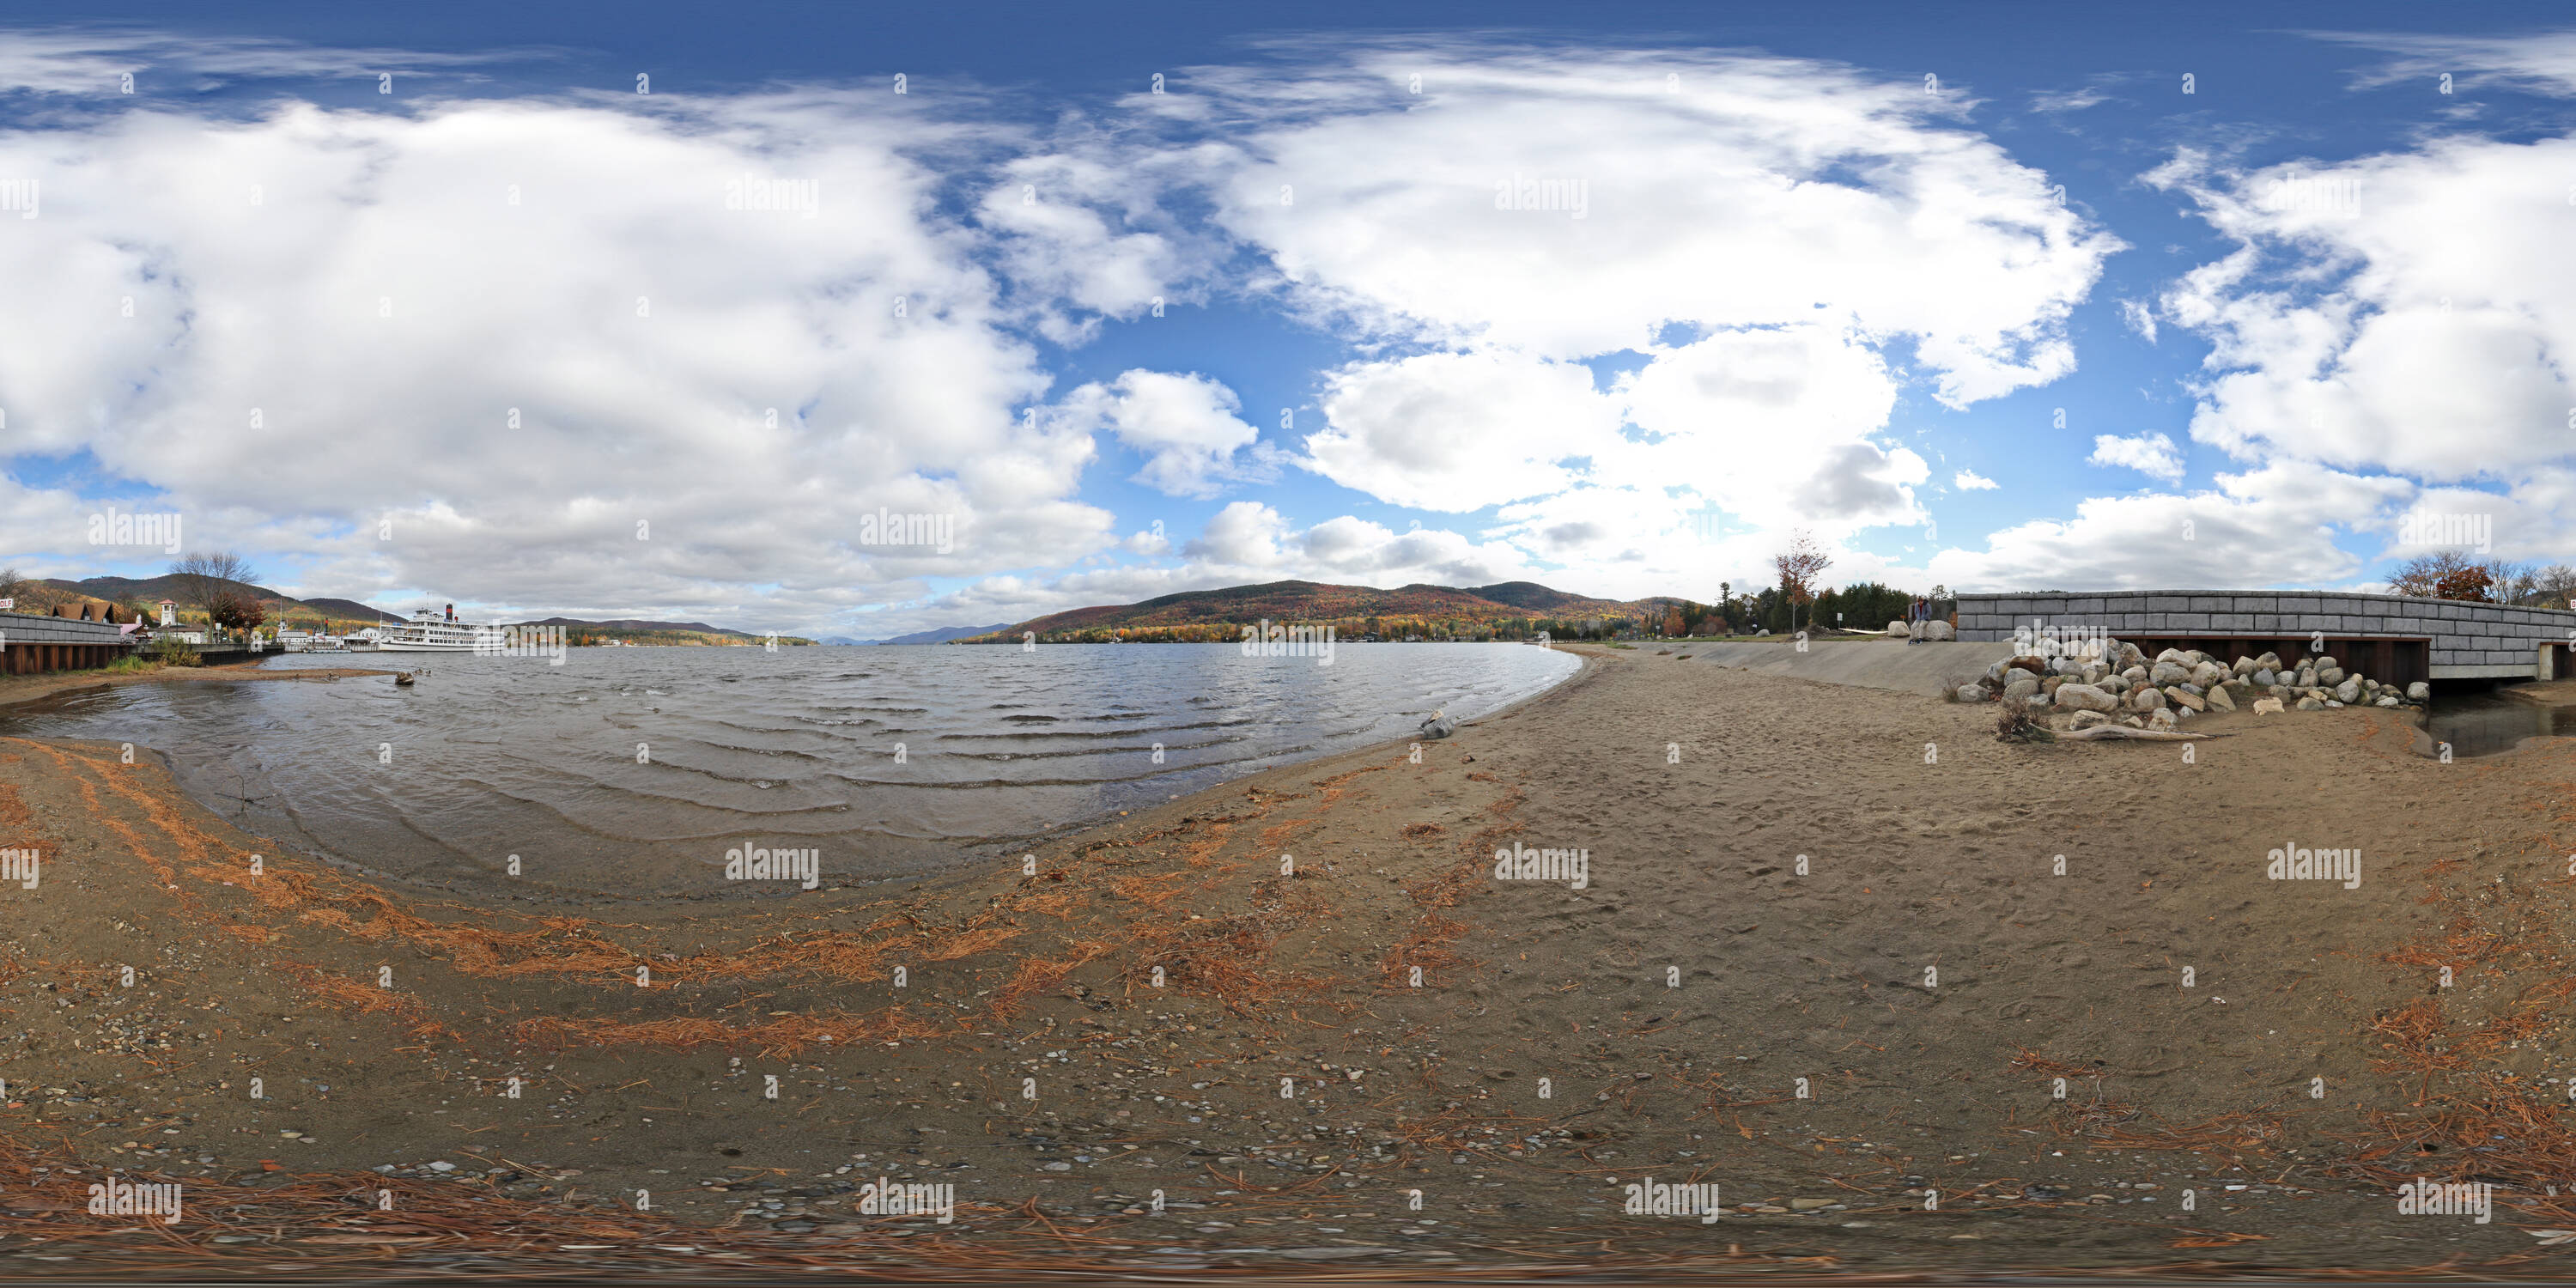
x=1818 y=948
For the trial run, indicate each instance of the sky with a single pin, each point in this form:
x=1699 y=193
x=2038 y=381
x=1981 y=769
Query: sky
x=854 y=320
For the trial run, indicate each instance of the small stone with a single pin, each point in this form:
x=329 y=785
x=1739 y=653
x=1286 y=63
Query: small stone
x=2219 y=699
x=2311 y=704
x=2419 y=691
x=2147 y=700
x=1809 y=1205
x=2087 y=719
x=2265 y=678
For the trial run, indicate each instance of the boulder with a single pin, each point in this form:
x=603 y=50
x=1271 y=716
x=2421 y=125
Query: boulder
x=2268 y=662
x=2031 y=662
x=2311 y=704
x=2051 y=684
x=1898 y=630
x=2084 y=697
x=2348 y=692
x=2021 y=686
x=1939 y=631
x=2264 y=677
x=2163 y=673
x=2244 y=665
x=2330 y=676
x=2133 y=722
x=1973 y=693
x=2333 y=705
x=2162 y=718
x=2147 y=699
x=2218 y=698
x=2267 y=706
x=2093 y=673
x=2386 y=701
x=2113 y=684
x=2419 y=692
x=2134 y=674
x=2208 y=674
x=2087 y=719
x=2326 y=662
x=2183 y=697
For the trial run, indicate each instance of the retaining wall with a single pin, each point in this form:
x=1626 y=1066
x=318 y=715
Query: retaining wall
x=2461 y=640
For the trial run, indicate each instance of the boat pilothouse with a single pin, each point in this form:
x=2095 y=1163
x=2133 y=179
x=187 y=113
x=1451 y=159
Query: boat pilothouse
x=430 y=631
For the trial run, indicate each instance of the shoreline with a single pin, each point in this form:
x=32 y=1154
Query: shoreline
x=1285 y=912
x=947 y=855
x=25 y=690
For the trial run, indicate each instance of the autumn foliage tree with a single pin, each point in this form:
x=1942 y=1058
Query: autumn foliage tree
x=1799 y=566
x=2443 y=574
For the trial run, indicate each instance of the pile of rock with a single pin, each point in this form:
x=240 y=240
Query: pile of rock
x=1936 y=630
x=2102 y=681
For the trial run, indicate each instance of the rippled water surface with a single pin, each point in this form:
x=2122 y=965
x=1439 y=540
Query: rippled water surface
x=634 y=770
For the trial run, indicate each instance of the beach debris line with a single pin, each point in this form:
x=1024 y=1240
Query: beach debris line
x=2101 y=681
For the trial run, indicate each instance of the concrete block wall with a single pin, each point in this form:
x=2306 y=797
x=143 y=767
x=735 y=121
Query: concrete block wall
x=2468 y=640
x=31 y=643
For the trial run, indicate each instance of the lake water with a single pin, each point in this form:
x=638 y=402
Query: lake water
x=2479 y=724
x=633 y=770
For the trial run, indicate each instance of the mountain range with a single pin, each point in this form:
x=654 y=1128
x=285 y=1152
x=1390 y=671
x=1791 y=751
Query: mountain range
x=1419 y=605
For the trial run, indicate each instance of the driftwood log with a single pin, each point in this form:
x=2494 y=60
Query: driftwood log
x=2102 y=733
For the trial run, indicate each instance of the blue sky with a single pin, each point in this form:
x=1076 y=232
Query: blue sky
x=432 y=303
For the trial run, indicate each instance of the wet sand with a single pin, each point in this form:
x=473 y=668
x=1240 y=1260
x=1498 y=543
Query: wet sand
x=1216 y=1000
